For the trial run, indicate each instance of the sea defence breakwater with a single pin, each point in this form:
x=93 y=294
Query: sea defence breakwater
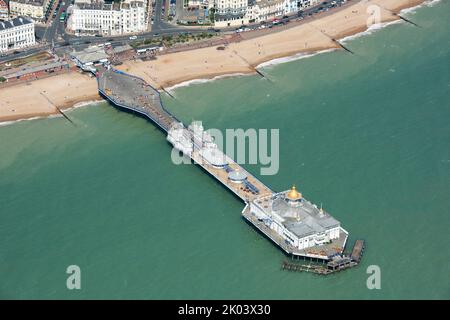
x=297 y=226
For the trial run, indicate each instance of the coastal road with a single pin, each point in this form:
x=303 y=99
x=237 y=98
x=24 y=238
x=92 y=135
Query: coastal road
x=55 y=31
x=158 y=23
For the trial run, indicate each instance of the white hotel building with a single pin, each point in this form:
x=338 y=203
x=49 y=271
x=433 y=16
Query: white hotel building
x=108 y=19
x=16 y=34
x=230 y=12
x=240 y=12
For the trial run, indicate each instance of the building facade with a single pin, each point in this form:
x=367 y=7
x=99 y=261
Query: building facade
x=229 y=13
x=264 y=10
x=4 y=10
x=299 y=222
x=17 y=33
x=34 y=9
x=108 y=19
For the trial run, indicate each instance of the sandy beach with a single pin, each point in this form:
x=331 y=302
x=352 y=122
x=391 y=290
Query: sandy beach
x=37 y=98
x=28 y=100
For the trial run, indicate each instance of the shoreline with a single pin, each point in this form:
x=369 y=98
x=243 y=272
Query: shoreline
x=205 y=64
x=70 y=105
x=167 y=70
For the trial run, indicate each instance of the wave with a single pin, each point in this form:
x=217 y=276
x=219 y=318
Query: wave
x=204 y=80
x=428 y=3
x=378 y=26
x=372 y=29
x=233 y=75
x=83 y=104
x=297 y=56
x=55 y=115
x=7 y=123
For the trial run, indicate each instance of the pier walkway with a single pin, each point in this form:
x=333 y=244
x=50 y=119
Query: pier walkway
x=133 y=93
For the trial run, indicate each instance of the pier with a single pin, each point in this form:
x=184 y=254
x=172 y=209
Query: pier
x=293 y=223
x=336 y=264
x=134 y=94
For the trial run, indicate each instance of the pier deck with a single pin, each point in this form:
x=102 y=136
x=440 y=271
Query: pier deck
x=134 y=94
x=336 y=264
x=238 y=189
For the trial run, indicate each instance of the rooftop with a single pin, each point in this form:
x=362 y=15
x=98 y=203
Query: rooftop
x=30 y=2
x=19 y=21
x=268 y=3
x=18 y=73
x=297 y=214
x=325 y=251
x=91 y=54
x=120 y=49
x=100 y=5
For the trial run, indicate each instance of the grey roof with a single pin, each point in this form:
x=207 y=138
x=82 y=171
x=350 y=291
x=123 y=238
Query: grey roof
x=120 y=49
x=91 y=54
x=20 y=73
x=30 y=2
x=101 y=5
x=268 y=3
x=19 y=21
x=302 y=218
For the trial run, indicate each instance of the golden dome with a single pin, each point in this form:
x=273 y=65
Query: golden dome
x=293 y=194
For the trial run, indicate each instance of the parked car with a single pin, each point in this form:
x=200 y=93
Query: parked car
x=133 y=38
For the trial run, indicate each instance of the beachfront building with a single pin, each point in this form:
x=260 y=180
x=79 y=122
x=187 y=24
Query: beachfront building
x=307 y=3
x=17 y=33
x=240 y=12
x=264 y=10
x=4 y=11
x=34 y=9
x=291 y=6
x=196 y=3
x=230 y=12
x=109 y=19
x=300 y=223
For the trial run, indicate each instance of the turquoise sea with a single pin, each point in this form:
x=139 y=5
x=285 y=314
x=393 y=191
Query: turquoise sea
x=367 y=135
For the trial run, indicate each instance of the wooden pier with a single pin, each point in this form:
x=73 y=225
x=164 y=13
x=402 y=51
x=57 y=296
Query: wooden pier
x=339 y=263
x=133 y=93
